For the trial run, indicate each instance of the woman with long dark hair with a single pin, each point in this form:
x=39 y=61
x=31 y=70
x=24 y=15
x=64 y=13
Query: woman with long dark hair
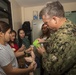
x=22 y=39
x=45 y=31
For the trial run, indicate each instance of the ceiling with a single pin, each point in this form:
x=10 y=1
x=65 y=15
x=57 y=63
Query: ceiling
x=30 y=3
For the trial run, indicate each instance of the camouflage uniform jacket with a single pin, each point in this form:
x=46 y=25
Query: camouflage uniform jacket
x=60 y=55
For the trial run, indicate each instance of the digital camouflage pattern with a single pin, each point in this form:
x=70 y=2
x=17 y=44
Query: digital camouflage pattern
x=60 y=56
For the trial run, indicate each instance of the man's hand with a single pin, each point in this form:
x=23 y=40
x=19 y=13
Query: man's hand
x=41 y=50
x=40 y=40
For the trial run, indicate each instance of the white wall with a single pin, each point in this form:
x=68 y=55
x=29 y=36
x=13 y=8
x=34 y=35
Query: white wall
x=16 y=15
x=21 y=14
x=70 y=6
x=27 y=13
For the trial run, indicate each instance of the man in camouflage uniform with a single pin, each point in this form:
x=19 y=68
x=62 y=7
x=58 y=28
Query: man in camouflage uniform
x=59 y=54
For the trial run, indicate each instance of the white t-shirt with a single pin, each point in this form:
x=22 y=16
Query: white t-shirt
x=7 y=56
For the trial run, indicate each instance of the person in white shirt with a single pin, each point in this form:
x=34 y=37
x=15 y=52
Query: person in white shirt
x=8 y=61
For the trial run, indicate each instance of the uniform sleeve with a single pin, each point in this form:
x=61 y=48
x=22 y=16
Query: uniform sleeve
x=4 y=58
x=61 y=56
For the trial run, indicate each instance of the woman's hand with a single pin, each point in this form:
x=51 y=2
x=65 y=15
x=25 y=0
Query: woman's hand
x=32 y=55
x=29 y=59
x=22 y=48
x=33 y=66
x=29 y=50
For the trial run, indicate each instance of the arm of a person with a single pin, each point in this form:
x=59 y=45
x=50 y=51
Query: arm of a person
x=22 y=48
x=6 y=63
x=9 y=70
x=19 y=53
x=61 y=61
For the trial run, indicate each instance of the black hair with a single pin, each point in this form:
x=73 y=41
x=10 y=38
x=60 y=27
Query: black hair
x=13 y=31
x=47 y=33
x=4 y=26
x=19 y=39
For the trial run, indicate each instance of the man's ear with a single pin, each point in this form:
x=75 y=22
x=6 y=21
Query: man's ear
x=1 y=34
x=55 y=19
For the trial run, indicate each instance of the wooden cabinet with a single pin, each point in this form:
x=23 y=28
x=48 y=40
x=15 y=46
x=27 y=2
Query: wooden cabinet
x=5 y=12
